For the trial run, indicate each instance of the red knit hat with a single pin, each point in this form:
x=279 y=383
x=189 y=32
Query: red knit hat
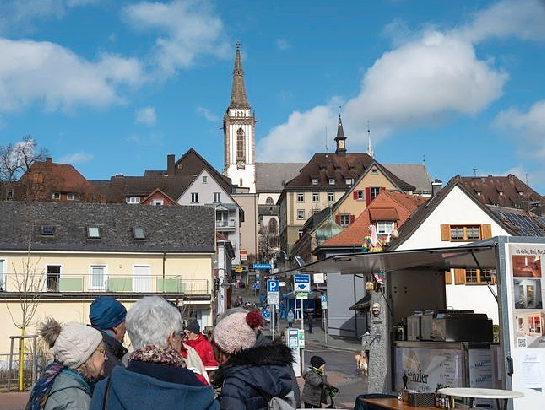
x=254 y=319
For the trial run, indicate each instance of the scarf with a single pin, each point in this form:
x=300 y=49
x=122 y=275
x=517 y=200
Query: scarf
x=158 y=354
x=42 y=388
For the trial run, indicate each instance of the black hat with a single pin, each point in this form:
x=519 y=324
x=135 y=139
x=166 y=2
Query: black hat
x=316 y=361
x=193 y=327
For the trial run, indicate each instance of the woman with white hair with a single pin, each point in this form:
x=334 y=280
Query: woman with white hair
x=78 y=361
x=156 y=376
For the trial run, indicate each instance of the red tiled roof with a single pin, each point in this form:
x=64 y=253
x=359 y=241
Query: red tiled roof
x=387 y=202
x=383 y=214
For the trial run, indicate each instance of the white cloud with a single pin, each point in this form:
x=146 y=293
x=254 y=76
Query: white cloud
x=208 y=115
x=282 y=44
x=425 y=78
x=189 y=30
x=76 y=158
x=146 y=116
x=43 y=71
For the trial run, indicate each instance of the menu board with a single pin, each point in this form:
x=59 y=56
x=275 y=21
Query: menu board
x=426 y=368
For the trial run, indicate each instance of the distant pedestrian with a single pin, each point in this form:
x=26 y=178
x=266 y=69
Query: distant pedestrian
x=78 y=361
x=107 y=315
x=310 y=319
x=291 y=318
x=317 y=388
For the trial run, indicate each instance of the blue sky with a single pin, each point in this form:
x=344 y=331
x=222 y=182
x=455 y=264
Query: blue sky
x=113 y=86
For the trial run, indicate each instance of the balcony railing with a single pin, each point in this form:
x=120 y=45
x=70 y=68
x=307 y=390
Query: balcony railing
x=67 y=283
x=226 y=224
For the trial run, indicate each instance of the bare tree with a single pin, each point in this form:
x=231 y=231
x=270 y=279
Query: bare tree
x=16 y=159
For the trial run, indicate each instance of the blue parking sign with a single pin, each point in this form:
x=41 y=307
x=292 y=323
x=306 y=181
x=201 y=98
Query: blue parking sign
x=273 y=285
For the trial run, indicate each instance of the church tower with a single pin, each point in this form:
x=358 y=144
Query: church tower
x=239 y=133
x=340 y=139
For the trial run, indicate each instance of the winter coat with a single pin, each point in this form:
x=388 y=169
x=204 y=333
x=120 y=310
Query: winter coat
x=145 y=386
x=114 y=353
x=314 y=386
x=69 y=392
x=251 y=377
x=204 y=349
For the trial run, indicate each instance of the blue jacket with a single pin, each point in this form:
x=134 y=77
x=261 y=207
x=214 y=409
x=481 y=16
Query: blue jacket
x=132 y=390
x=252 y=376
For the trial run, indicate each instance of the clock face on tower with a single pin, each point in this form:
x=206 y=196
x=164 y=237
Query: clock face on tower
x=240 y=164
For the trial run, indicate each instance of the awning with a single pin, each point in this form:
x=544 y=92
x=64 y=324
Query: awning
x=383 y=214
x=478 y=255
x=363 y=304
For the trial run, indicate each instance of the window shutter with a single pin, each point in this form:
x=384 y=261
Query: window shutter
x=459 y=276
x=486 y=231
x=338 y=219
x=383 y=188
x=448 y=277
x=367 y=195
x=445 y=232
x=355 y=194
x=352 y=219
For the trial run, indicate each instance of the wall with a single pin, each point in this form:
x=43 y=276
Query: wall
x=248 y=228
x=356 y=207
x=342 y=292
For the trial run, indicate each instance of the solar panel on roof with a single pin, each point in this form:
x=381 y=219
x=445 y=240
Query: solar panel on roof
x=524 y=224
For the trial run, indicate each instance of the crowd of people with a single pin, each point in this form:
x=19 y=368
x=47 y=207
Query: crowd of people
x=168 y=365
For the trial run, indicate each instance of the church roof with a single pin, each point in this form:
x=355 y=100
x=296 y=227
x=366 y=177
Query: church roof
x=238 y=90
x=271 y=177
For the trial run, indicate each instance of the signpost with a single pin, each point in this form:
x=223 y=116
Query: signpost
x=273 y=296
x=323 y=299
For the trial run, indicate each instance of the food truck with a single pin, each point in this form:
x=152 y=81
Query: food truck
x=416 y=342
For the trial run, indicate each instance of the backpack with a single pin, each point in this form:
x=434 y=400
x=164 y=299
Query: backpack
x=283 y=403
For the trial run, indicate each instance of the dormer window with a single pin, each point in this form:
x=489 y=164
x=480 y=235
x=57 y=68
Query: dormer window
x=47 y=230
x=70 y=197
x=500 y=192
x=133 y=199
x=331 y=181
x=314 y=181
x=93 y=232
x=138 y=233
x=349 y=181
x=56 y=195
x=520 y=193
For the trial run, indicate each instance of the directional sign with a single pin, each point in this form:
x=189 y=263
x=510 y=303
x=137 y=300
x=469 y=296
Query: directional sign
x=323 y=299
x=262 y=266
x=301 y=295
x=301 y=282
x=273 y=285
x=266 y=314
x=255 y=285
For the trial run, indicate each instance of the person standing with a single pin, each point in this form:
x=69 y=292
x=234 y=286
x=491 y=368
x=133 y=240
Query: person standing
x=107 y=315
x=291 y=318
x=78 y=361
x=195 y=339
x=310 y=318
x=315 y=384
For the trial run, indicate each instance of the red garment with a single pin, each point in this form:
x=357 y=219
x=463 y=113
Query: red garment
x=204 y=350
x=199 y=376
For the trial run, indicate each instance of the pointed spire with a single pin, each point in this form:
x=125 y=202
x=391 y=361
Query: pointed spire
x=370 y=151
x=340 y=139
x=238 y=90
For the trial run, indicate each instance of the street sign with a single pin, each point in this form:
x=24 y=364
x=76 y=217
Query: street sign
x=292 y=338
x=301 y=295
x=266 y=314
x=273 y=292
x=282 y=284
x=301 y=282
x=323 y=299
x=255 y=285
x=301 y=339
x=273 y=285
x=273 y=298
x=239 y=269
x=262 y=266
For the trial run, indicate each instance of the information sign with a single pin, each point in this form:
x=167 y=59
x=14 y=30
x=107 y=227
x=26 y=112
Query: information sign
x=301 y=282
x=301 y=339
x=301 y=295
x=293 y=338
x=255 y=285
x=262 y=266
x=323 y=299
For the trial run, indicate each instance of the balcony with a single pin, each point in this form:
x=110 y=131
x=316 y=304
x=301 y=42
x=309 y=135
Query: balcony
x=73 y=283
x=226 y=224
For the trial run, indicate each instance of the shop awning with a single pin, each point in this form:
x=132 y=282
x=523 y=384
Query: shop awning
x=477 y=255
x=363 y=304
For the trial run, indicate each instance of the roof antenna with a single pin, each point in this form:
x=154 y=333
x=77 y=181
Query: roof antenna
x=370 y=151
x=475 y=171
x=326 y=140
x=423 y=159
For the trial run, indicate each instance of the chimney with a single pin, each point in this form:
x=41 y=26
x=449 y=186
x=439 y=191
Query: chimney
x=436 y=187
x=48 y=161
x=171 y=160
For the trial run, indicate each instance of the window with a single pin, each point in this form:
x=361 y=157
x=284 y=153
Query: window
x=374 y=171
x=349 y=181
x=217 y=196
x=465 y=232
x=534 y=324
x=300 y=214
x=204 y=179
x=300 y=233
x=138 y=233
x=315 y=211
x=359 y=195
x=47 y=230
x=53 y=273
x=269 y=201
x=241 y=145
x=344 y=220
x=331 y=181
x=70 y=197
x=385 y=228
x=133 y=199
x=273 y=226
x=374 y=191
x=93 y=232
x=194 y=197
x=98 y=277
x=56 y=195
x=315 y=196
x=472 y=276
x=157 y=202
x=300 y=197
x=10 y=195
x=330 y=197
x=2 y=275
x=314 y=181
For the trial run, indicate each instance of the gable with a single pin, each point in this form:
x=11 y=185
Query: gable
x=205 y=185
x=456 y=208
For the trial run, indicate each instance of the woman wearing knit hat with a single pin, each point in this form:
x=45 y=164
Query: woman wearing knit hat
x=156 y=376
x=79 y=357
x=249 y=375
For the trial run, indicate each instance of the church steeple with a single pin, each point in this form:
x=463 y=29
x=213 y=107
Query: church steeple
x=340 y=139
x=238 y=90
x=370 y=151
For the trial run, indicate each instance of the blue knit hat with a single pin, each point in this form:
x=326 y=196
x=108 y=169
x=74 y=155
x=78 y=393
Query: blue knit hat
x=106 y=313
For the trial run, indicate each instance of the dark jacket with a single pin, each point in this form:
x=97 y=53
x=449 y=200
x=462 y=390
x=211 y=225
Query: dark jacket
x=251 y=377
x=114 y=353
x=145 y=386
x=315 y=381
